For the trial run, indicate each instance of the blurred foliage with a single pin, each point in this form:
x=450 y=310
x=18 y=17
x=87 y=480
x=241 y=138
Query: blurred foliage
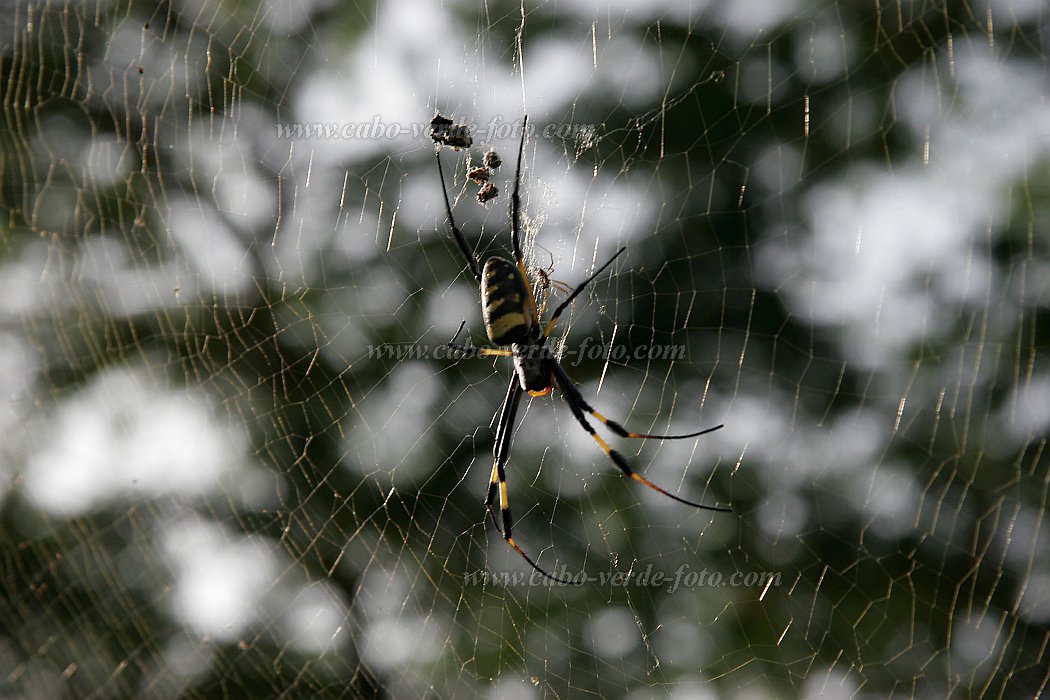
x=887 y=610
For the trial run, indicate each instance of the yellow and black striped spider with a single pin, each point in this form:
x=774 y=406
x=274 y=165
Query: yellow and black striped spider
x=511 y=320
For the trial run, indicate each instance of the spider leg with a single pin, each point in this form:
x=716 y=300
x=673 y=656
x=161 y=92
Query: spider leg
x=474 y=352
x=501 y=447
x=569 y=388
x=568 y=300
x=515 y=227
x=498 y=480
x=472 y=261
x=480 y=352
x=573 y=398
x=459 y=330
x=515 y=201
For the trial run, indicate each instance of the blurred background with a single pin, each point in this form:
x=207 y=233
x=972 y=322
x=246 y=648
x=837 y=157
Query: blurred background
x=213 y=485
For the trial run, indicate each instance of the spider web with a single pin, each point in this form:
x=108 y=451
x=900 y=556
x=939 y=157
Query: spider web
x=835 y=216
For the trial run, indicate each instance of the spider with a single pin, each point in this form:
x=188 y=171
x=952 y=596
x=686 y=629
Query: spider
x=511 y=320
x=546 y=283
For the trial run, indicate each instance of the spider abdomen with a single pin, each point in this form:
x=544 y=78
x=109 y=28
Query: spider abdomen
x=507 y=304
